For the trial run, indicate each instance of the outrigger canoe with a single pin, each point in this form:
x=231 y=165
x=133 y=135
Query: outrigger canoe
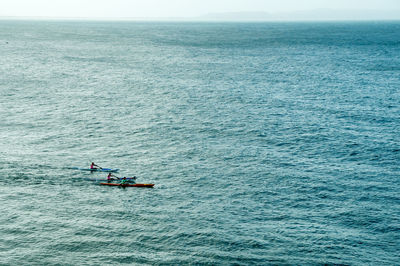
x=127 y=185
x=109 y=170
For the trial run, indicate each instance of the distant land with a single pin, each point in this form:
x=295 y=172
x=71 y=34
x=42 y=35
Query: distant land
x=306 y=15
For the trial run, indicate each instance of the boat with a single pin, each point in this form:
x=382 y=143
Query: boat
x=127 y=185
x=109 y=170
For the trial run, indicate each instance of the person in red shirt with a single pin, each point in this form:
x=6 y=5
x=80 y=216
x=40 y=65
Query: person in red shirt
x=110 y=177
x=94 y=166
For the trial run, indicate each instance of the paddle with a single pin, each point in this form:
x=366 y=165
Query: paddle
x=127 y=178
x=114 y=177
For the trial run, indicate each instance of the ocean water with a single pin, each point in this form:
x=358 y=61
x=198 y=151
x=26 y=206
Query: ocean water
x=268 y=143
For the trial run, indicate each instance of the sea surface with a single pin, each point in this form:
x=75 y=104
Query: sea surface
x=268 y=143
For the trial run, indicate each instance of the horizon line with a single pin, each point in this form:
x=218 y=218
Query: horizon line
x=194 y=19
x=320 y=14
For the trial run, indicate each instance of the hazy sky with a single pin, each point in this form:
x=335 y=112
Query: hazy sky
x=176 y=8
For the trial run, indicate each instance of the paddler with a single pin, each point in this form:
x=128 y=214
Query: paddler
x=110 y=177
x=123 y=181
x=94 y=166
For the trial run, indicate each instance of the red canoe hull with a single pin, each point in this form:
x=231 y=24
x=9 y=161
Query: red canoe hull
x=127 y=185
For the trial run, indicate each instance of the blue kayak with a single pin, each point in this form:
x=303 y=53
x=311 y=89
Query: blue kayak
x=96 y=169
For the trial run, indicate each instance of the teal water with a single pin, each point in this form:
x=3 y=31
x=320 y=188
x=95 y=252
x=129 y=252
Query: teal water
x=268 y=143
